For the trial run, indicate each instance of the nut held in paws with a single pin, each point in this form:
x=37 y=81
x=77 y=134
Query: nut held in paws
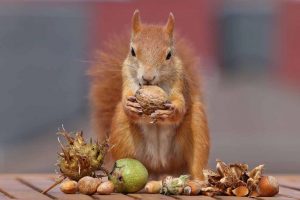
x=151 y=98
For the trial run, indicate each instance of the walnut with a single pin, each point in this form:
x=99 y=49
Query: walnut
x=151 y=98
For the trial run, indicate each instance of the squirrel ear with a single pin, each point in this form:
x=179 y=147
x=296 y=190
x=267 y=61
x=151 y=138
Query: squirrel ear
x=136 y=22
x=170 y=24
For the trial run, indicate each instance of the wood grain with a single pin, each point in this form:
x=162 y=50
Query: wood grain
x=19 y=190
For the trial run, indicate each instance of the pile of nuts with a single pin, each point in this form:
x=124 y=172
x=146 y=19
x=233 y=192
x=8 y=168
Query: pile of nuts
x=232 y=180
x=87 y=185
x=235 y=179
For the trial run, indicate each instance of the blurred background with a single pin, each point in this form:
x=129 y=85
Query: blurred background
x=250 y=62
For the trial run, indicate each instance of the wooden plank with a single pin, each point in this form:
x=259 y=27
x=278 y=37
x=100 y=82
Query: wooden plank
x=231 y=198
x=277 y=197
x=19 y=190
x=291 y=181
x=200 y=197
x=287 y=192
x=114 y=196
x=3 y=197
x=42 y=183
x=150 y=196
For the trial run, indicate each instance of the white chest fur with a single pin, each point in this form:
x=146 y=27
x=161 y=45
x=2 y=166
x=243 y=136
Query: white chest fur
x=158 y=143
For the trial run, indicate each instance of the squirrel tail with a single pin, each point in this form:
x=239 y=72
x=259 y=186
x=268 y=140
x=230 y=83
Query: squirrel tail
x=106 y=83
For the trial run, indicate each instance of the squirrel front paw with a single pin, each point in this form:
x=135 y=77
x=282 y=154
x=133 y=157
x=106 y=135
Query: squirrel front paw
x=168 y=113
x=132 y=108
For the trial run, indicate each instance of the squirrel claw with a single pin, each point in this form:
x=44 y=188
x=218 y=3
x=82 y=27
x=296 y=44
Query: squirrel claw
x=133 y=104
x=169 y=106
x=161 y=114
x=131 y=98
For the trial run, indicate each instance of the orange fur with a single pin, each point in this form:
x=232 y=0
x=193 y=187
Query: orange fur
x=113 y=78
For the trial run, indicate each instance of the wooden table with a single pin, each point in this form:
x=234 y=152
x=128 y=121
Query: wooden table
x=29 y=186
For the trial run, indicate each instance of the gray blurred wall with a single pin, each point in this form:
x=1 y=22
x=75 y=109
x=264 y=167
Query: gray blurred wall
x=42 y=74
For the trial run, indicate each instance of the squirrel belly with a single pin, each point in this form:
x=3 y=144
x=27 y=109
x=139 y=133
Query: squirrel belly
x=179 y=142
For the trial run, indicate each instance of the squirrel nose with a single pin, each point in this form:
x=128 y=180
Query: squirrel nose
x=148 y=79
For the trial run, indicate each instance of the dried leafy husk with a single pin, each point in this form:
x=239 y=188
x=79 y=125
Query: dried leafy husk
x=252 y=185
x=175 y=186
x=79 y=158
x=225 y=171
x=256 y=173
x=238 y=169
x=211 y=176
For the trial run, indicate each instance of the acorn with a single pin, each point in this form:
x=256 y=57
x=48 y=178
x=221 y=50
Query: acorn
x=88 y=185
x=106 y=188
x=151 y=98
x=69 y=187
x=268 y=186
x=241 y=191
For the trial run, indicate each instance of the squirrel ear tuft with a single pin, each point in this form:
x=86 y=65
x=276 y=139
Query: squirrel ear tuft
x=170 y=24
x=136 y=22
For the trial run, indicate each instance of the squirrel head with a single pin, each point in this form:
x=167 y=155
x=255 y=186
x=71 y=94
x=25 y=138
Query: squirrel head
x=151 y=57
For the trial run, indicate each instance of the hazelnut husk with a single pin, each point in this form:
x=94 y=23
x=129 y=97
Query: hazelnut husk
x=69 y=187
x=88 y=185
x=151 y=98
x=267 y=186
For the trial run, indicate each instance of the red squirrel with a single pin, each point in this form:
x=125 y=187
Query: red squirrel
x=178 y=142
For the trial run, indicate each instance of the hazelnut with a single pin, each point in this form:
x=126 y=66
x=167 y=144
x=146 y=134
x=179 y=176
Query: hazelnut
x=88 y=185
x=106 y=188
x=69 y=187
x=241 y=191
x=193 y=187
x=151 y=98
x=153 y=187
x=267 y=186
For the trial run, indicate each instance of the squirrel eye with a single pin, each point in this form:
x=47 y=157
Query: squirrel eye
x=169 y=56
x=132 y=52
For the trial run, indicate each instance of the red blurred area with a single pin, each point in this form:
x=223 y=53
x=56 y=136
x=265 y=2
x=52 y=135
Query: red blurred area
x=196 y=20
x=289 y=41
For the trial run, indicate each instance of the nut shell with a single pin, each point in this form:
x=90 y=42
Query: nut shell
x=88 y=185
x=69 y=187
x=151 y=98
x=106 y=188
x=268 y=186
x=193 y=187
x=153 y=187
